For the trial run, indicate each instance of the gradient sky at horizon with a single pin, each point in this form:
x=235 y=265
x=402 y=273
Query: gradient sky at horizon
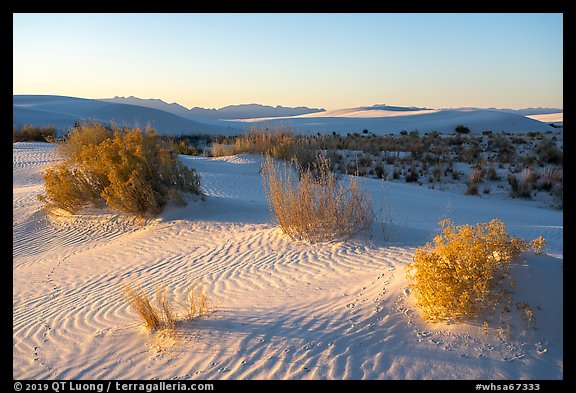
x=317 y=60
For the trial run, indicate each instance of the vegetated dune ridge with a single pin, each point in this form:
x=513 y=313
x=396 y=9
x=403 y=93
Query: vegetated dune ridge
x=285 y=309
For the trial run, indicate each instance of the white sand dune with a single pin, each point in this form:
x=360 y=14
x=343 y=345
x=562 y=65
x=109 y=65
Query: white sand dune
x=285 y=309
x=362 y=112
x=549 y=117
x=382 y=122
x=63 y=112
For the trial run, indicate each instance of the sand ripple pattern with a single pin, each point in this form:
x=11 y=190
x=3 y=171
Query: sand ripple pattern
x=284 y=309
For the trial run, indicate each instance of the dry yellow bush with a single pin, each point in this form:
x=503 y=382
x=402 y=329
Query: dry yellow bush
x=83 y=134
x=129 y=170
x=309 y=204
x=538 y=245
x=454 y=277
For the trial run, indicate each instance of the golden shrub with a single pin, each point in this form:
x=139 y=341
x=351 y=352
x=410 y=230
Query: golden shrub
x=129 y=170
x=309 y=204
x=538 y=245
x=453 y=277
x=84 y=134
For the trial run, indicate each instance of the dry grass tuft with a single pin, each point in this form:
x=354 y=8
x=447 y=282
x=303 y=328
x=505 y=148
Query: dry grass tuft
x=457 y=276
x=196 y=304
x=141 y=302
x=309 y=204
x=160 y=314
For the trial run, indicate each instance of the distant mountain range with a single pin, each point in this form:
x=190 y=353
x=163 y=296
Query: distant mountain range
x=174 y=119
x=243 y=111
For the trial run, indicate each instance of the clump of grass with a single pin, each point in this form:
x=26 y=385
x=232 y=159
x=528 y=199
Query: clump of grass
x=309 y=204
x=196 y=304
x=472 y=189
x=222 y=149
x=476 y=175
x=140 y=301
x=492 y=175
x=456 y=276
x=160 y=313
x=32 y=133
x=548 y=178
x=519 y=188
x=278 y=141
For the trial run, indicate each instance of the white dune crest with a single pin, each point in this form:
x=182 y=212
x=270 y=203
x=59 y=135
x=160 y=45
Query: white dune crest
x=549 y=117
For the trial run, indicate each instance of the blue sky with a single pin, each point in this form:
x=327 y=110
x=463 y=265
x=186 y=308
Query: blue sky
x=317 y=60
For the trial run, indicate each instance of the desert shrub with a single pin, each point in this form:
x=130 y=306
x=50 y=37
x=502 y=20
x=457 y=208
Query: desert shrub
x=519 y=188
x=461 y=129
x=34 y=134
x=492 y=175
x=68 y=188
x=181 y=147
x=456 y=175
x=455 y=277
x=160 y=313
x=310 y=204
x=381 y=172
x=476 y=175
x=548 y=153
x=470 y=154
x=437 y=172
x=472 y=189
x=364 y=160
x=83 y=134
x=222 y=149
x=558 y=193
x=279 y=142
x=529 y=176
x=538 y=245
x=548 y=178
x=131 y=171
x=412 y=175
